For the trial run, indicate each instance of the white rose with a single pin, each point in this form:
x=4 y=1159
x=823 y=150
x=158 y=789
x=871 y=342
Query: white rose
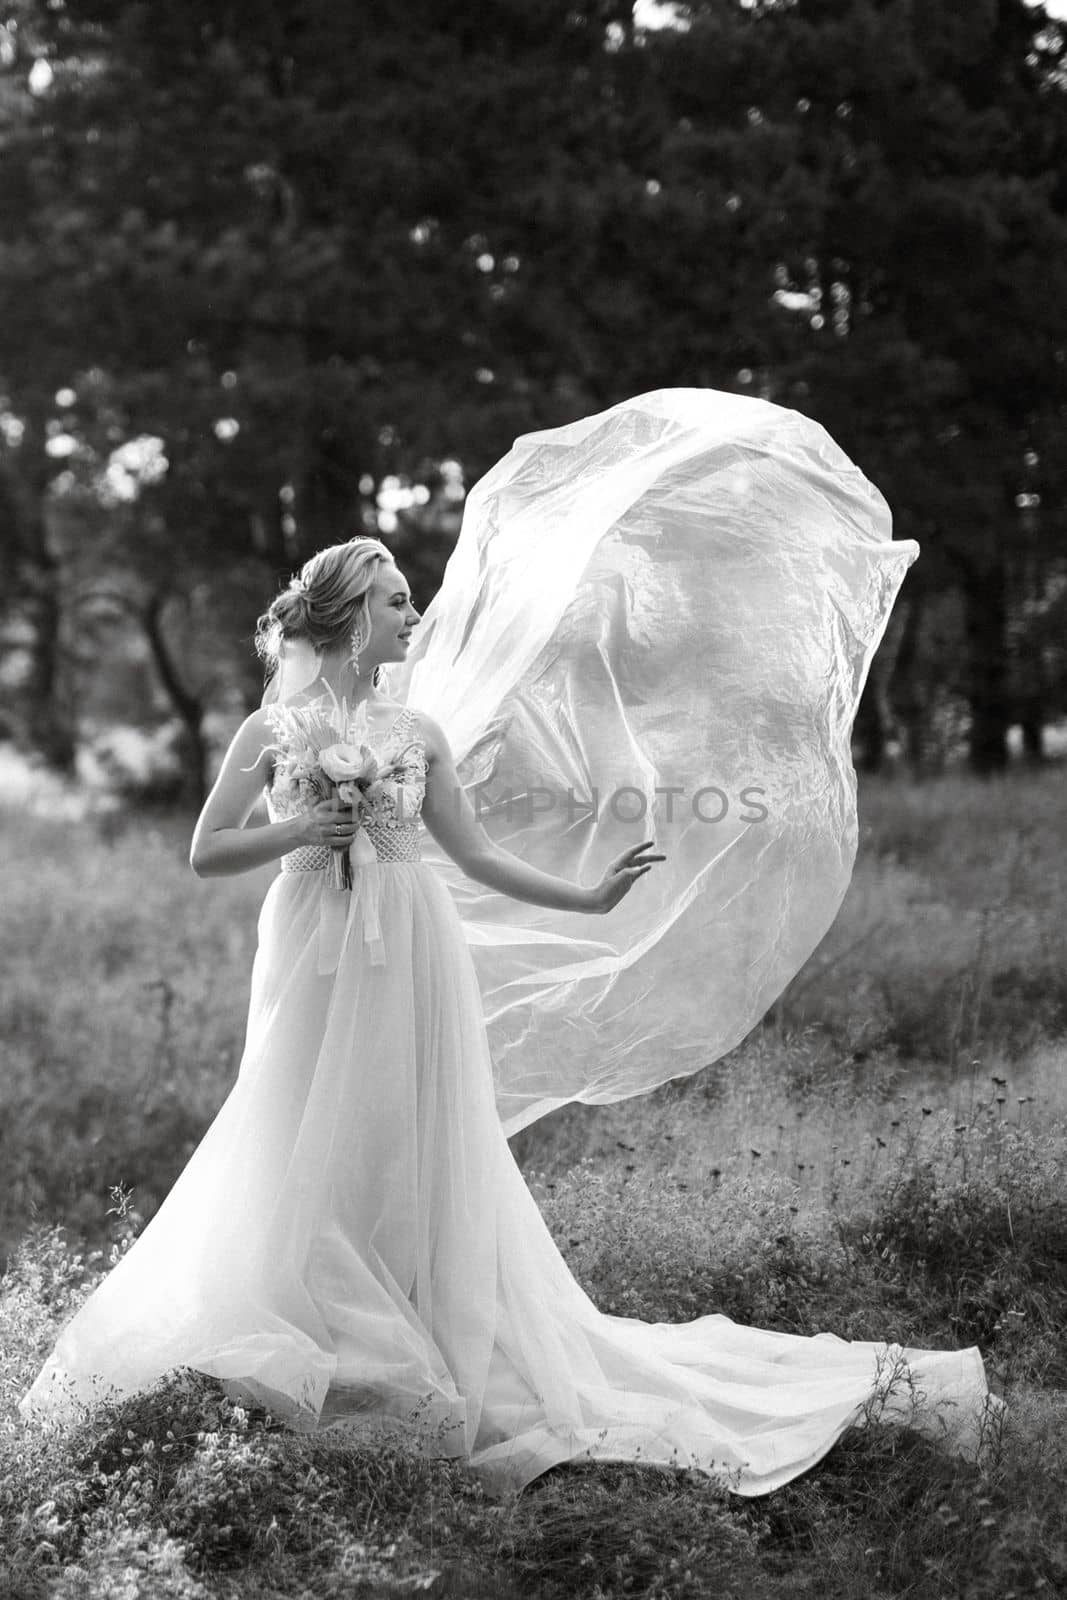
x=345 y=763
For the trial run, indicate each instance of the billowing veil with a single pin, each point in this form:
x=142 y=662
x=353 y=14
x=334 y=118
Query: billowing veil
x=656 y=623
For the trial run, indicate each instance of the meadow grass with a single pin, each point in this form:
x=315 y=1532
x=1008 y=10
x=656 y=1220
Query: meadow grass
x=882 y=1158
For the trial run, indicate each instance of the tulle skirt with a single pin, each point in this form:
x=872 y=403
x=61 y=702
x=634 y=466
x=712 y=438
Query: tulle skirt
x=352 y=1241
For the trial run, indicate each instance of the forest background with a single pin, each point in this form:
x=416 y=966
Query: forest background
x=272 y=274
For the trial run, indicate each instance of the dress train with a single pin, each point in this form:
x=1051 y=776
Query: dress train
x=352 y=1239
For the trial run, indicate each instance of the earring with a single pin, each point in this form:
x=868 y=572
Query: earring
x=357 y=646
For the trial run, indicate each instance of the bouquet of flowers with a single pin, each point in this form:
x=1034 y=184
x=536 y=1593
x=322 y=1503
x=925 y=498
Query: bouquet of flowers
x=323 y=754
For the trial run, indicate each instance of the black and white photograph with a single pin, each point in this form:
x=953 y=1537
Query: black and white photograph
x=533 y=783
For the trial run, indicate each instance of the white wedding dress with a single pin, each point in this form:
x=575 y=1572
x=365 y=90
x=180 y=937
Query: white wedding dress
x=353 y=1235
x=353 y=1240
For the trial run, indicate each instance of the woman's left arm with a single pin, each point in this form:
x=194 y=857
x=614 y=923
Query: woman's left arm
x=450 y=818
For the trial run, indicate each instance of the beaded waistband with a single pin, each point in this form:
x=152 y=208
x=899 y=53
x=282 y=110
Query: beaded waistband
x=400 y=843
x=309 y=858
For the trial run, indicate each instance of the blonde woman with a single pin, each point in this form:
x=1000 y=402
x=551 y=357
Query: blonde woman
x=353 y=1238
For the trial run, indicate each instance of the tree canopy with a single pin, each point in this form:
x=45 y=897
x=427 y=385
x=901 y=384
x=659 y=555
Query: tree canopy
x=272 y=273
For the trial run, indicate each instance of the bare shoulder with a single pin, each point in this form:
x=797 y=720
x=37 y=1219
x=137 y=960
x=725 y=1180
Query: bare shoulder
x=433 y=737
x=254 y=737
x=259 y=723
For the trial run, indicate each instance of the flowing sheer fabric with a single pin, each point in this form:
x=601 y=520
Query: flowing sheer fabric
x=656 y=623
x=352 y=1239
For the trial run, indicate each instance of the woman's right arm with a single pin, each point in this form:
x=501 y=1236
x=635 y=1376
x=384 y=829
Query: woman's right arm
x=221 y=843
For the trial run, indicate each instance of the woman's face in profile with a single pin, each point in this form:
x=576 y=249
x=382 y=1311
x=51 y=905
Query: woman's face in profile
x=393 y=615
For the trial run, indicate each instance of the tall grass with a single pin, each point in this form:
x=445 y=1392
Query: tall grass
x=942 y=984
x=883 y=1158
x=121 y=1014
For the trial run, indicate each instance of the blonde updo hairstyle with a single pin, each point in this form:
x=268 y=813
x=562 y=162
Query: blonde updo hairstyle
x=326 y=602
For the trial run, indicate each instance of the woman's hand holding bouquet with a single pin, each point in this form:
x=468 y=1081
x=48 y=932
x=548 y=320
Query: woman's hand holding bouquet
x=363 y=786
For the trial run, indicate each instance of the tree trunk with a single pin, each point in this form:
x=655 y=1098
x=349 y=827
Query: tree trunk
x=870 y=728
x=1033 y=727
x=50 y=723
x=986 y=617
x=1032 y=583
x=908 y=697
x=189 y=705
x=876 y=722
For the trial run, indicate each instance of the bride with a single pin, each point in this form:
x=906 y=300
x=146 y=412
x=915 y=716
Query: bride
x=352 y=1239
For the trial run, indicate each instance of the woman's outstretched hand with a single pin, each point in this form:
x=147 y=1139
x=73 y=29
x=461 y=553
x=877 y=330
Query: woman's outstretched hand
x=621 y=876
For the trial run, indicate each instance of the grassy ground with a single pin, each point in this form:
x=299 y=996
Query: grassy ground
x=882 y=1158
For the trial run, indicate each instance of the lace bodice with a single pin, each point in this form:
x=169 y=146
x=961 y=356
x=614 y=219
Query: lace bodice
x=391 y=820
